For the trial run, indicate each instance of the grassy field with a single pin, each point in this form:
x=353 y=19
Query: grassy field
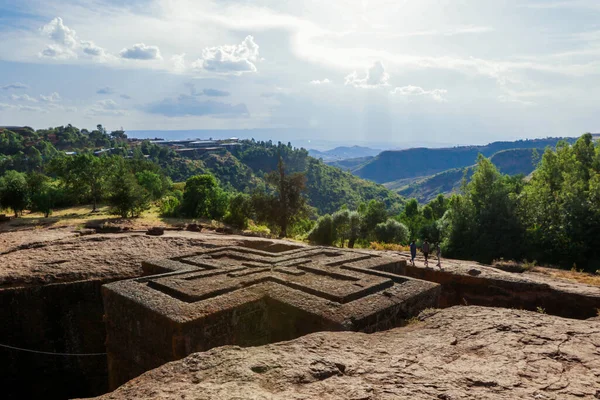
x=79 y=216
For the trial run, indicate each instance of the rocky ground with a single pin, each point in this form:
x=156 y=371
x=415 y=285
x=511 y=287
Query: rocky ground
x=456 y=353
x=36 y=256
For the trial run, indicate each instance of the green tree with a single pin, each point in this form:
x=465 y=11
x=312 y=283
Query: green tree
x=439 y=205
x=323 y=233
x=355 y=223
x=392 y=231
x=375 y=213
x=169 y=206
x=43 y=193
x=559 y=206
x=238 y=211
x=152 y=182
x=484 y=223
x=85 y=174
x=13 y=191
x=126 y=196
x=204 y=198
x=286 y=203
x=341 y=224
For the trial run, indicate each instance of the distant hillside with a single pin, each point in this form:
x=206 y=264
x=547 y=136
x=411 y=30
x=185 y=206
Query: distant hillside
x=515 y=161
x=344 y=152
x=424 y=189
x=349 y=164
x=391 y=166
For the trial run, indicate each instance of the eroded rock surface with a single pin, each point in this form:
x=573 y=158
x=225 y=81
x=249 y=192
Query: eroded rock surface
x=239 y=296
x=38 y=257
x=457 y=353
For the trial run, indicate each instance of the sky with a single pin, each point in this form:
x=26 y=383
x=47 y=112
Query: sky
x=380 y=71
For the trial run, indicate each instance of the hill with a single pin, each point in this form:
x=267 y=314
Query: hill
x=424 y=189
x=241 y=168
x=343 y=153
x=391 y=166
x=350 y=164
x=515 y=161
x=328 y=187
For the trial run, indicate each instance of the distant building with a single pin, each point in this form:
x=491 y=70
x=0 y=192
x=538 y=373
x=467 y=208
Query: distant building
x=198 y=145
x=21 y=130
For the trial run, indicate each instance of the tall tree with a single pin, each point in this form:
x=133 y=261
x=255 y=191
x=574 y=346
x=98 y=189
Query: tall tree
x=286 y=203
x=484 y=222
x=86 y=174
x=126 y=196
x=13 y=191
x=291 y=201
x=203 y=197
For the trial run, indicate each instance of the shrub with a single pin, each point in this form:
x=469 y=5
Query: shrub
x=203 y=197
x=169 y=206
x=238 y=211
x=392 y=231
x=324 y=231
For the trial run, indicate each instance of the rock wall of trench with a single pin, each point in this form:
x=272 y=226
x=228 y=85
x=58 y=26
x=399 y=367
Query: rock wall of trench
x=511 y=292
x=56 y=318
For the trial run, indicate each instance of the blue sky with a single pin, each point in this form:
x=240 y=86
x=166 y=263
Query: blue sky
x=436 y=71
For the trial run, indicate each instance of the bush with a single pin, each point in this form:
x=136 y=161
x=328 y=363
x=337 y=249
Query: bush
x=355 y=222
x=341 y=223
x=169 y=206
x=127 y=197
x=301 y=228
x=392 y=231
x=240 y=208
x=13 y=191
x=204 y=198
x=324 y=231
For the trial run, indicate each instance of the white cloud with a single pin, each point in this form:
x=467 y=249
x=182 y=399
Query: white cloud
x=230 y=59
x=60 y=33
x=57 y=52
x=20 y=107
x=16 y=85
x=91 y=49
x=375 y=77
x=52 y=98
x=513 y=99
x=410 y=91
x=23 y=97
x=140 y=51
x=178 y=61
x=32 y=109
x=320 y=82
x=107 y=107
x=66 y=43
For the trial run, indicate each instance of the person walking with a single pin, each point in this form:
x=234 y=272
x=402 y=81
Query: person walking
x=438 y=250
x=413 y=251
x=425 y=249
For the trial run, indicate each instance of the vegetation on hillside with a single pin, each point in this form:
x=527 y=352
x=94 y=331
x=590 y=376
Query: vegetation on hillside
x=424 y=189
x=66 y=166
x=553 y=217
x=391 y=166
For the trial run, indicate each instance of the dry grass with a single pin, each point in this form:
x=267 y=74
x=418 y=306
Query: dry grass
x=389 y=246
x=81 y=215
x=574 y=276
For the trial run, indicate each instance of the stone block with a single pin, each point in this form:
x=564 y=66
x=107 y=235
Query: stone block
x=247 y=297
